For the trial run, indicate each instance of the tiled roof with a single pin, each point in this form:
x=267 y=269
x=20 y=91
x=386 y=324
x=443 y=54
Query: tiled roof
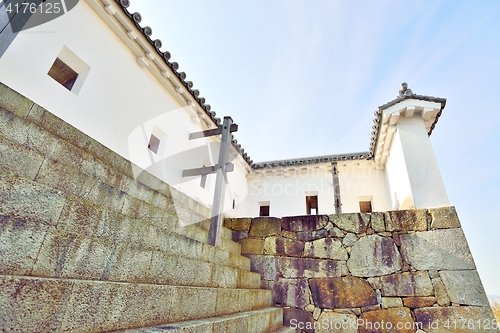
x=311 y=160
x=403 y=95
x=157 y=44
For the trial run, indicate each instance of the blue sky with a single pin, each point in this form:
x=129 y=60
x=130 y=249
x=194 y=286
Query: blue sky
x=303 y=78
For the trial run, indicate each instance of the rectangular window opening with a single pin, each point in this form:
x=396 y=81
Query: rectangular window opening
x=63 y=74
x=365 y=206
x=312 y=205
x=69 y=70
x=154 y=144
x=264 y=210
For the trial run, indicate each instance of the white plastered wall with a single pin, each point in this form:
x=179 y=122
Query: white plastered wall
x=120 y=103
x=361 y=181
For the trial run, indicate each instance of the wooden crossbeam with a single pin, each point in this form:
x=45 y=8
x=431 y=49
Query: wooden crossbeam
x=206 y=170
x=212 y=132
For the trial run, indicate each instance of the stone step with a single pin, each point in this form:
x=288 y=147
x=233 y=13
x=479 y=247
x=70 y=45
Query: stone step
x=258 y=321
x=78 y=239
x=50 y=305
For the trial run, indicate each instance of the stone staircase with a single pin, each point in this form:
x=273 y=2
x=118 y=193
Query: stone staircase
x=87 y=246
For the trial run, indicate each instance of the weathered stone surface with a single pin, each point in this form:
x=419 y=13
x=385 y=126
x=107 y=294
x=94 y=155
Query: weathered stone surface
x=316 y=313
x=406 y=220
x=252 y=246
x=308 y=268
x=456 y=319
x=394 y=320
x=391 y=302
x=14 y=102
x=265 y=226
x=306 y=236
x=239 y=235
x=238 y=223
x=337 y=322
x=349 y=239
x=440 y=292
x=19 y=160
x=336 y=232
x=289 y=234
x=464 y=287
x=20 y=242
x=283 y=246
x=31 y=305
x=304 y=223
x=343 y=292
x=374 y=256
x=265 y=265
x=290 y=292
x=404 y=284
x=444 y=218
x=28 y=200
x=351 y=222
x=444 y=249
x=378 y=221
x=419 y=302
x=298 y=319
x=327 y=248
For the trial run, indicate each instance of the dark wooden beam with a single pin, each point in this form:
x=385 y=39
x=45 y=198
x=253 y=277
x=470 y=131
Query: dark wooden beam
x=212 y=132
x=206 y=170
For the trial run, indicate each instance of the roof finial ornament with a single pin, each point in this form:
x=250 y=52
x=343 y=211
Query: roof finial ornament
x=404 y=90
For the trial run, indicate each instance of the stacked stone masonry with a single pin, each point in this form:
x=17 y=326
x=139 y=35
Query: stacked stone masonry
x=398 y=271
x=88 y=244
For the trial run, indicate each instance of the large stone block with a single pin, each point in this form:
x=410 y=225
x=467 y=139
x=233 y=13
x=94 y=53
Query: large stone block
x=419 y=302
x=374 y=255
x=290 y=292
x=464 y=287
x=19 y=160
x=308 y=268
x=298 y=319
x=378 y=221
x=444 y=249
x=444 y=218
x=175 y=270
x=394 y=320
x=265 y=265
x=325 y=248
x=252 y=246
x=20 y=242
x=304 y=223
x=238 y=223
x=337 y=322
x=31 y=304
x=456 y=319
x=265 y=227
x=28 y=200
x=406 y=220
x=440 y=292
x=342 y=292
x=14 y=102
x=104 y=306
x=351 y=222
x=283 y=246
x=404 y=284
x=306 y=236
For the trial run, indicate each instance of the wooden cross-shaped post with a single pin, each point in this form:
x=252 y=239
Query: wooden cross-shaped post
x=221 y=168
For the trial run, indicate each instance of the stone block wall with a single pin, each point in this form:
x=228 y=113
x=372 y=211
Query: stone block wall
x=398 y=271
x=87 y=245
